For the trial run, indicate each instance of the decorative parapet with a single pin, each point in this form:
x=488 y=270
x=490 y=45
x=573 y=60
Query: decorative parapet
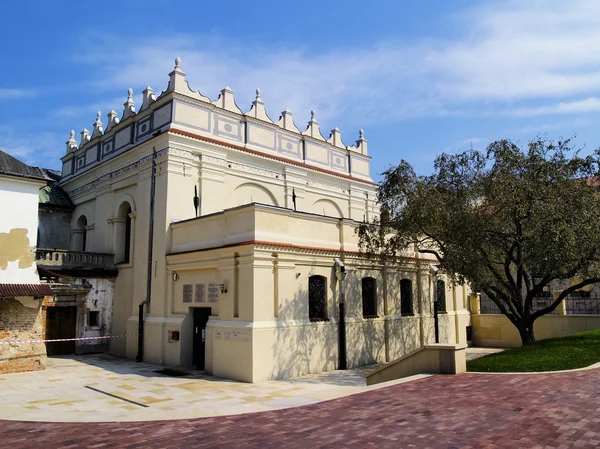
x=181 y=108
x=74 y=259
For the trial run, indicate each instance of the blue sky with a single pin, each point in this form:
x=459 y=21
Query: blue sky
x=421 y=78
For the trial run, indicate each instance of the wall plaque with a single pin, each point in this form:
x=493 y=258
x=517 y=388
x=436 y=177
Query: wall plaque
x=187 y=293
x=213 y=292
x=200 y=290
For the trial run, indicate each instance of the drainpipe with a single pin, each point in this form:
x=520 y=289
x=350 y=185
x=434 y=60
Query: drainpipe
x=341 y=275
x=436 y=324
x=140 y=353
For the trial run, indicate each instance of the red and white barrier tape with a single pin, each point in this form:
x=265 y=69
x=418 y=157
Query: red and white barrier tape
x=64 y=339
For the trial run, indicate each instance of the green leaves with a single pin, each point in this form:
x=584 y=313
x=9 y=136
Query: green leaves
x=508 y=220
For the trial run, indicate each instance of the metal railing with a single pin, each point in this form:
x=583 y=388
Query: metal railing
x=73 y=259
x=582 y=306
x=574 y=305
x=488 y=307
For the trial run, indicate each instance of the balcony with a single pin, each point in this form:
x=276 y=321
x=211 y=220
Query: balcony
x=74 y=260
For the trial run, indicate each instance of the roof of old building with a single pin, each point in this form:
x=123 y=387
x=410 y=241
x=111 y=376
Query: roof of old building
x=14 y=167
x=52 y=194
x=15 y=290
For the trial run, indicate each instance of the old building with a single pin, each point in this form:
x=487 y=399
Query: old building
x=225 y=227
x=21 y=292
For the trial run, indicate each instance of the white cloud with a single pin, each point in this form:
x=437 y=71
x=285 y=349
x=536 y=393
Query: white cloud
x=15 y=94
x=33 y=149
x=509 y=55
x=591 y=104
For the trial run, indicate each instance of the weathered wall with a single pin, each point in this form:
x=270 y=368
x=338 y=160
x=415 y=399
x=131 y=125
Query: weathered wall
x=99 y=299
x=18 y=231
x=55 y=228
x=498 y=332
x=21 y=319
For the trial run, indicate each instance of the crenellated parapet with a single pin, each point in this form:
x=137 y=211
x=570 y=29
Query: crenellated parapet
x=181 y=110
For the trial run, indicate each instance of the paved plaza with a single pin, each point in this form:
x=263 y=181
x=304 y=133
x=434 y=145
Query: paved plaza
x=95 y=388
x=550 y=410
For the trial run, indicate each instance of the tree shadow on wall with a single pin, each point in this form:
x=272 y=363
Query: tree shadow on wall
x=301 y=346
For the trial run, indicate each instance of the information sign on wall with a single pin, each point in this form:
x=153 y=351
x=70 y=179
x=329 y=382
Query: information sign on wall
x=187 y=293
x=200 y=293
x=213 y=292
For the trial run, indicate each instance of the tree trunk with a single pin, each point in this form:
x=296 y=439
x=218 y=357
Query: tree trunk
x=526 y=331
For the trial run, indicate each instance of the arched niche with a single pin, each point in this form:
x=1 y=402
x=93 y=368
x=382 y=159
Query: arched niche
x=253 y=193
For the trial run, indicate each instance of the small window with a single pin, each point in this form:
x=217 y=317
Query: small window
x=406 y=300
x=93 y=318
x=369 y=298
x=441 y=296
x=317 y=298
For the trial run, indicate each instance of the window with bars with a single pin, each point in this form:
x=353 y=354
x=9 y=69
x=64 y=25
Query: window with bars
x=317 y=298
x=369 y=298
x=406 y=299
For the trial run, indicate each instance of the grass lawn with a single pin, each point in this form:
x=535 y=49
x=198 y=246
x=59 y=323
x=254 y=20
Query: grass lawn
x=555 y=354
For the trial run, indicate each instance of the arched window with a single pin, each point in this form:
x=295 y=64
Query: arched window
x=406 y=299
x=80 y=234
x=317 y=298
x=369 y=298
x=441 y=296
x=123 y=230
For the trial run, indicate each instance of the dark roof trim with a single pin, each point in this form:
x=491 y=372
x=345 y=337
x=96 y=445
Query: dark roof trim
x=13 y=290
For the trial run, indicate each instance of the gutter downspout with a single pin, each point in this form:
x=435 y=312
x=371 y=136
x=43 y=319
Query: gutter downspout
x=140 y=353
x=341 y=269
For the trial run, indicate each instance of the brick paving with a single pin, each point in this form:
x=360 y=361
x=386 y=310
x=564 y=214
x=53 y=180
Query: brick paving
x=558 y=410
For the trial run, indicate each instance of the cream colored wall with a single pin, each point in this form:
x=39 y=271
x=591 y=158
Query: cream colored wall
x=497 y=331
x=271 y=336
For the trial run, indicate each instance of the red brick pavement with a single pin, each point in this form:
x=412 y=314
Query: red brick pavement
x=470 y=410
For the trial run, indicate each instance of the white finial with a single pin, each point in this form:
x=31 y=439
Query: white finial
x=257 y=93
x=71 y=143
x=98 y=131
x=177 y=62
x=129 y=105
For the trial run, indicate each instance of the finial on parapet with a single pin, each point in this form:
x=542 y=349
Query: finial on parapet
x=113 y=120
x=361 y=143
x=148 y=97
x=85 y=137
x=258 y=109
x=335 y=138
x=72 y=143
x=287 y=122
x=129 y=105
x=226 y=101
x=98 y=130
x=312 y=129
x=177 y=80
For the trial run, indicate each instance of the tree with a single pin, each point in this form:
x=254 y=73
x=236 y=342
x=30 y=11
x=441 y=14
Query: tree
x=509 y=221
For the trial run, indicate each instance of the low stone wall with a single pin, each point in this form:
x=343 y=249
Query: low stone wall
x=21 y=319
x=498 y=332
x=431 y=359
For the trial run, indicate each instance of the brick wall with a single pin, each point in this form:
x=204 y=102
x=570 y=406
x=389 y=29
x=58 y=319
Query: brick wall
x=21 y=319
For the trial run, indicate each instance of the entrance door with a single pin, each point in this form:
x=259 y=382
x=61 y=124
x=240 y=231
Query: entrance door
x=201 y=315
x=60 y=323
